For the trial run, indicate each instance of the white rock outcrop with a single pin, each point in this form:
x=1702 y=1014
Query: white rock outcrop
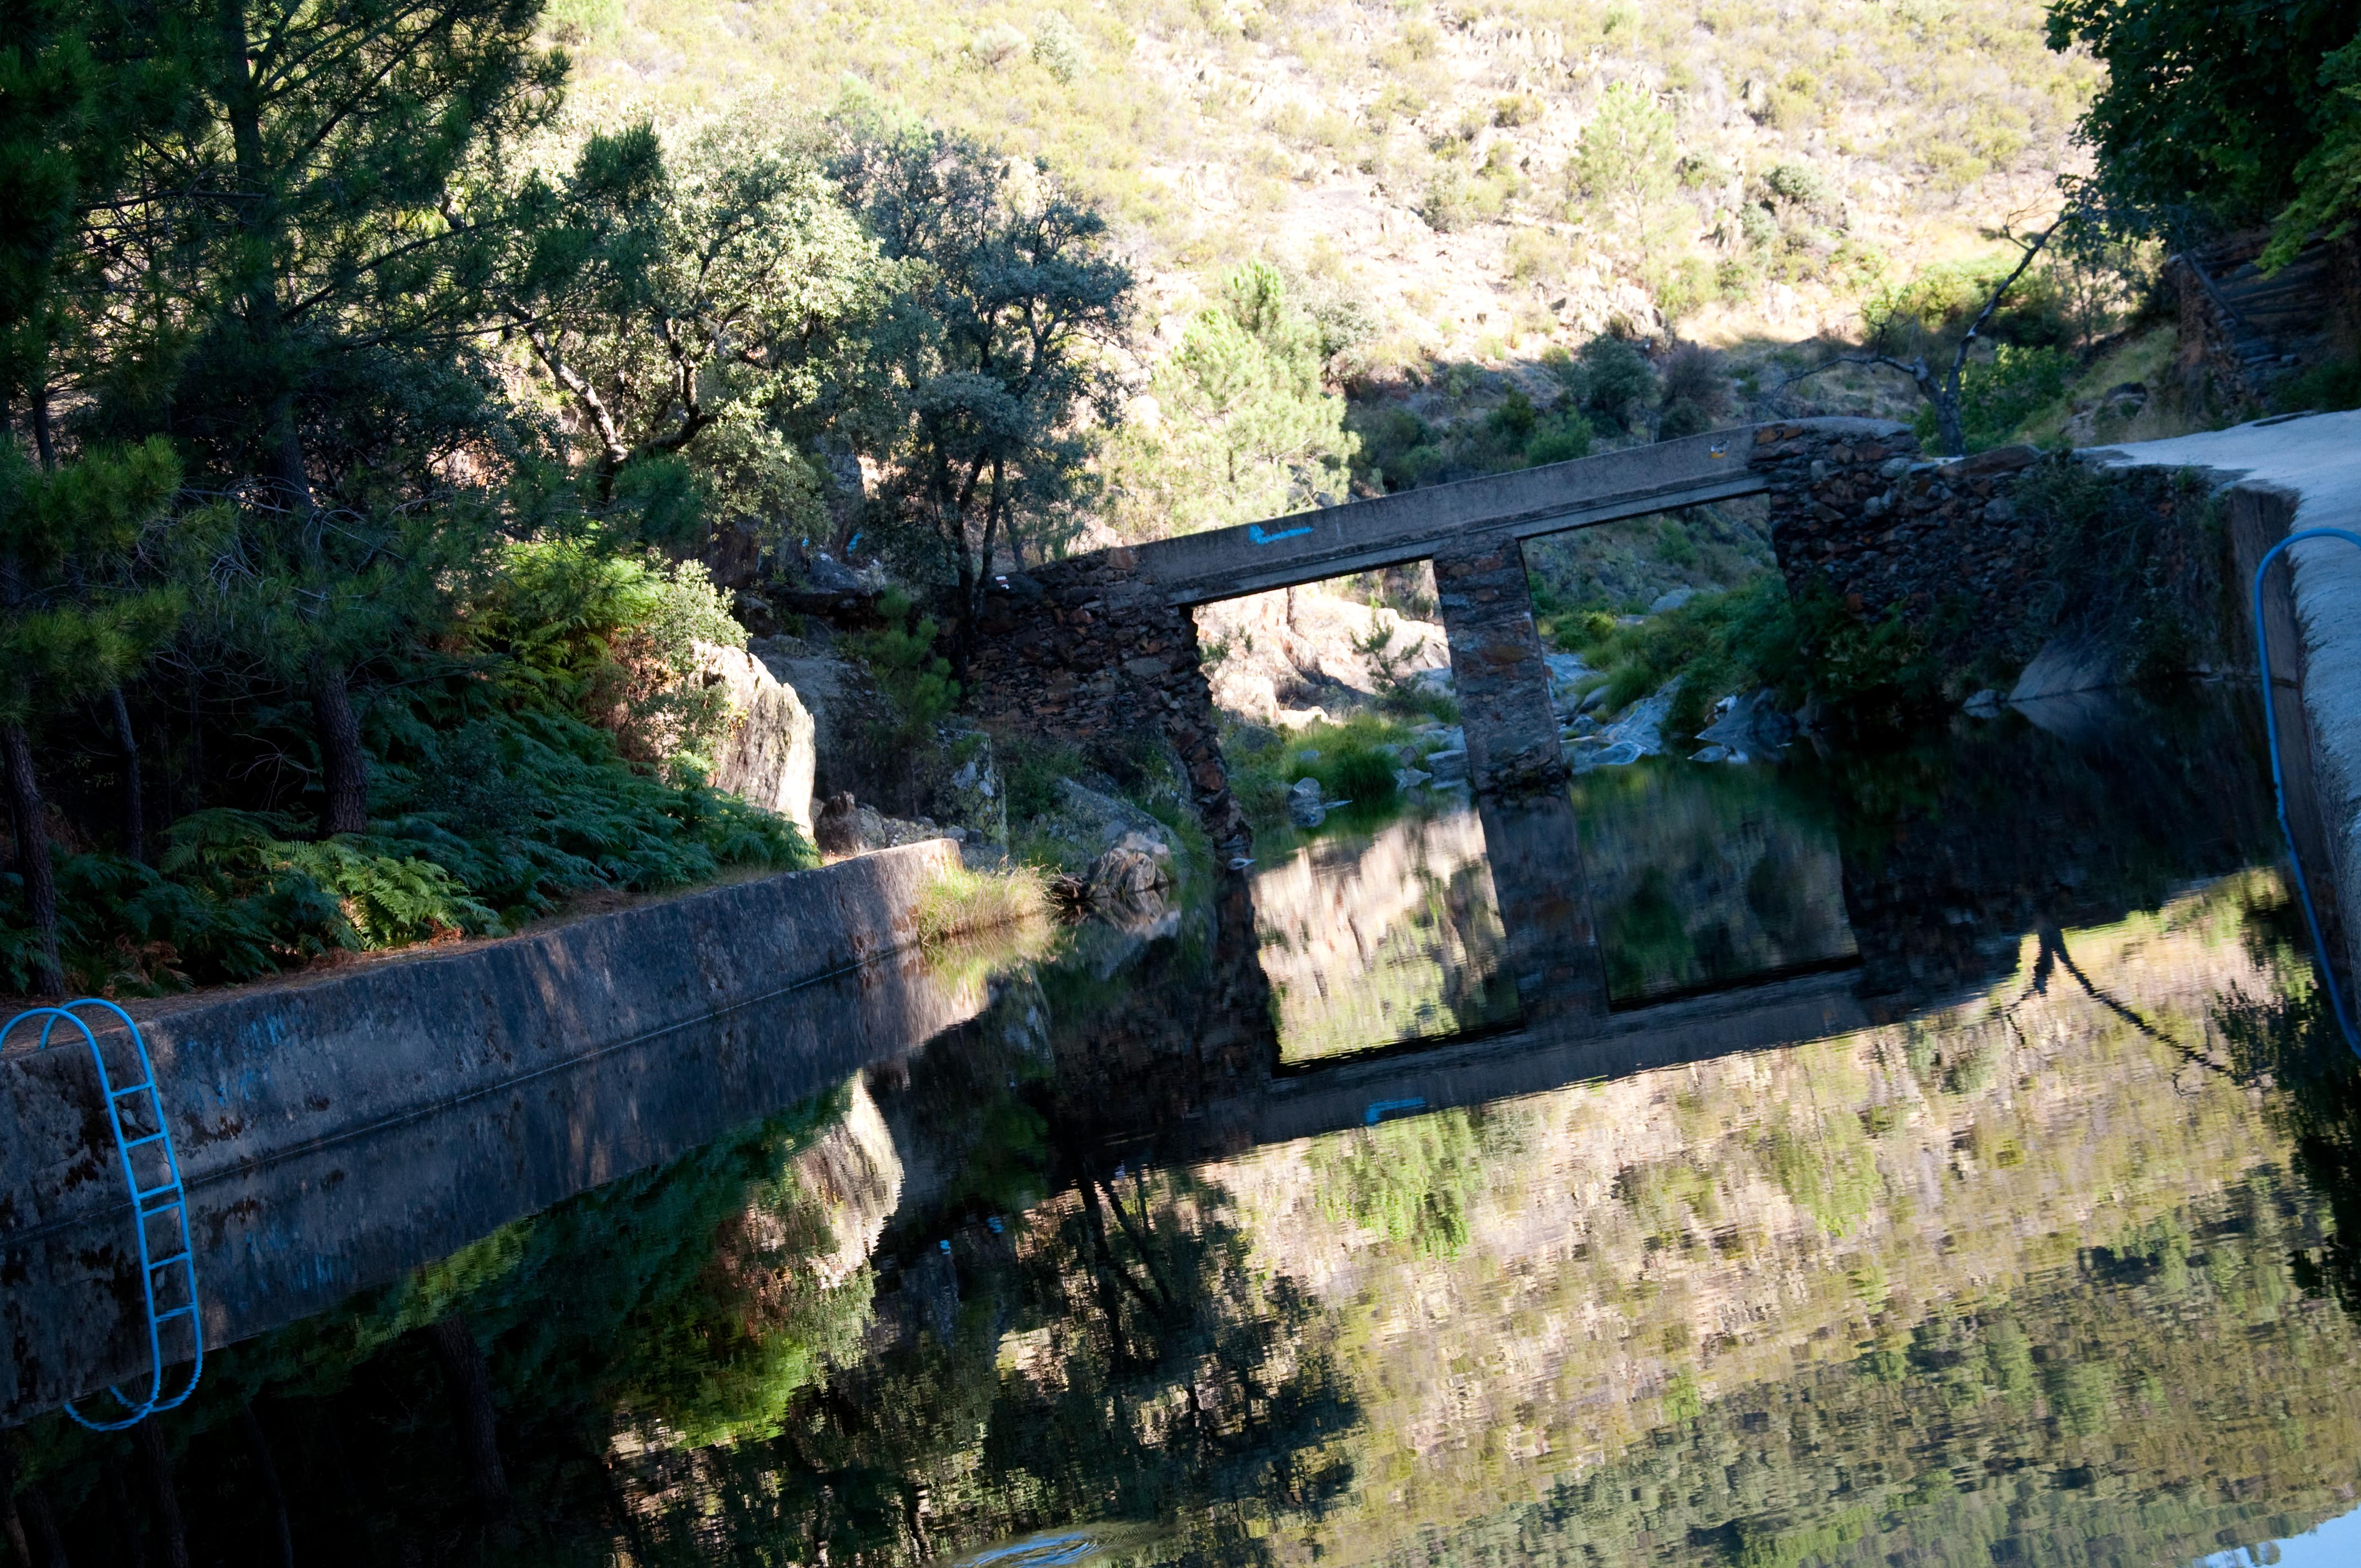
x=769 y=751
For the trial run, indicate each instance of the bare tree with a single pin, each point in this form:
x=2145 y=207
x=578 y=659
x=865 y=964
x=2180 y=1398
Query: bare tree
x=1941 y=388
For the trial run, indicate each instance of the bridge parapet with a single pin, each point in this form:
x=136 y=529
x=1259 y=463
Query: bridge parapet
x=1389 y=530
x=1103 y=647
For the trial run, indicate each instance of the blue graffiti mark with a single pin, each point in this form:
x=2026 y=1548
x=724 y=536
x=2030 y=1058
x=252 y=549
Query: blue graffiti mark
x=1071 y=1546
x=1255 y=532
x=1381 y=1109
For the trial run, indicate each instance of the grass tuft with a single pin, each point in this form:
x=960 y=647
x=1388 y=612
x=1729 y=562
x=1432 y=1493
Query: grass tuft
x=960 y=902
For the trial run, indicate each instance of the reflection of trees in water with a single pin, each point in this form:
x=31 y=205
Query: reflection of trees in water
x=1703 y=874
x=469 y=1414
x=2287 y=1038
x=1981 y=1288
x=662 y=1371
x=1412 y=1181
x=2152 y=1403
x=1114 y=1357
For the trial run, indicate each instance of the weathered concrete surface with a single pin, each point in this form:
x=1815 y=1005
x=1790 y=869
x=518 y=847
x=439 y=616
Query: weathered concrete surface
x=2281 y=477
x=1361 y=535
x=384 y=1112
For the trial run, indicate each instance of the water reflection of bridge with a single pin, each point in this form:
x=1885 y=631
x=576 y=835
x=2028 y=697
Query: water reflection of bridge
x=1172 y=1051
x=2002 y=831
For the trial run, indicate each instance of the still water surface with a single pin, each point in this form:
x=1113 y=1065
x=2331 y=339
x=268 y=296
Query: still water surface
x=1177 y=1254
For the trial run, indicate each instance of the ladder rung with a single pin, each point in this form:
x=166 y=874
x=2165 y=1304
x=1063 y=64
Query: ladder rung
x=171 y=1186
x=128 y=1091
x=177 y=1312
x=151 y=1139
x=156 y=1264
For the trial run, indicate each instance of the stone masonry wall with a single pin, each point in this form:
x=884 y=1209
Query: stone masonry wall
x=1854 y=508
x=1086 y=651
x=1497 y=668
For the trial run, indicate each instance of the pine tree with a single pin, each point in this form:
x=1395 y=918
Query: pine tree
x=1245 y=428
x=66 y=113
x=327 y=207
x=73 y=625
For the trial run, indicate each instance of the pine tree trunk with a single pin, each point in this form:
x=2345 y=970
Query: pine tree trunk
x=469 y=1382
x=126 y=1516
x=11 y=1522
x=343 y=762
x=26 y=818
x=48 y=1544
x=135 y=802
x=44 y=442
x=162 y=1495
x=257 y=1443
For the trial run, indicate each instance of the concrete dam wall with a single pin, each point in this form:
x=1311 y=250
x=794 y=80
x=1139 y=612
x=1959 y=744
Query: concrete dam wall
x=335 y=1131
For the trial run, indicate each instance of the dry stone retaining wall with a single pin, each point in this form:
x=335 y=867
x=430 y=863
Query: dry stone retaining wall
x=1085 y=651
x=1856 y=508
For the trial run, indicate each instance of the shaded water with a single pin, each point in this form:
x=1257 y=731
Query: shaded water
x=1982 y=1197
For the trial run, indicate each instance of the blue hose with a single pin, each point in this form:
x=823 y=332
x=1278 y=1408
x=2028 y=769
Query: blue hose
x=2278 y=780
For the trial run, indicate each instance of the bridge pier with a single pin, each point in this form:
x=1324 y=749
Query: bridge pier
x=1535 y=849
x=1496 y=666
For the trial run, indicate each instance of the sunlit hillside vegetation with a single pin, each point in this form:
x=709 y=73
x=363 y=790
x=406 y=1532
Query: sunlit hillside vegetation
x=1446 y=164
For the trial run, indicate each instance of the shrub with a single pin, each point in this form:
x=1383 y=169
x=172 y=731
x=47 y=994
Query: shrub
x=1799 y=183
x=1999 y=395
x=903 y=658
x=1696 y=396
x=1535 y=254
x=995 y=46
x=1449 y=205
x=1561 y=438
x=2325 y=388
x=1866 y=673
x=612 y=639
x=579 y=21
x=1057 y=45
x=1611 y=380
x=1354 y=761
x=1515 y=109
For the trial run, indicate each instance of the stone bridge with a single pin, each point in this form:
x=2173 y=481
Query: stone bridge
x=1104 y=645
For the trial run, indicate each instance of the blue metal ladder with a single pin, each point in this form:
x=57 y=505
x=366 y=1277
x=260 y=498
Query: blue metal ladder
x=173 y=1276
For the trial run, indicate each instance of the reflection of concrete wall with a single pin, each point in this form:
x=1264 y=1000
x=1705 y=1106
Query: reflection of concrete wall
x=1373 y=940
x=2284 y=477
x=335 y=1131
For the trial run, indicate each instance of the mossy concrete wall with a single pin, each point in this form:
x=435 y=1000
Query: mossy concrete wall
x=335 y=1131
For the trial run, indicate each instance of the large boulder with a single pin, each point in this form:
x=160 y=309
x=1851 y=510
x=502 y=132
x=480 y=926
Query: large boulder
x=768 y=754
x=1085 y=824
x=1134 y=871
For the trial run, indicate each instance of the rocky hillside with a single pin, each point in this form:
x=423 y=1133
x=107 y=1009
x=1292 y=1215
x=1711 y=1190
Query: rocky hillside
x=1436 y=166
